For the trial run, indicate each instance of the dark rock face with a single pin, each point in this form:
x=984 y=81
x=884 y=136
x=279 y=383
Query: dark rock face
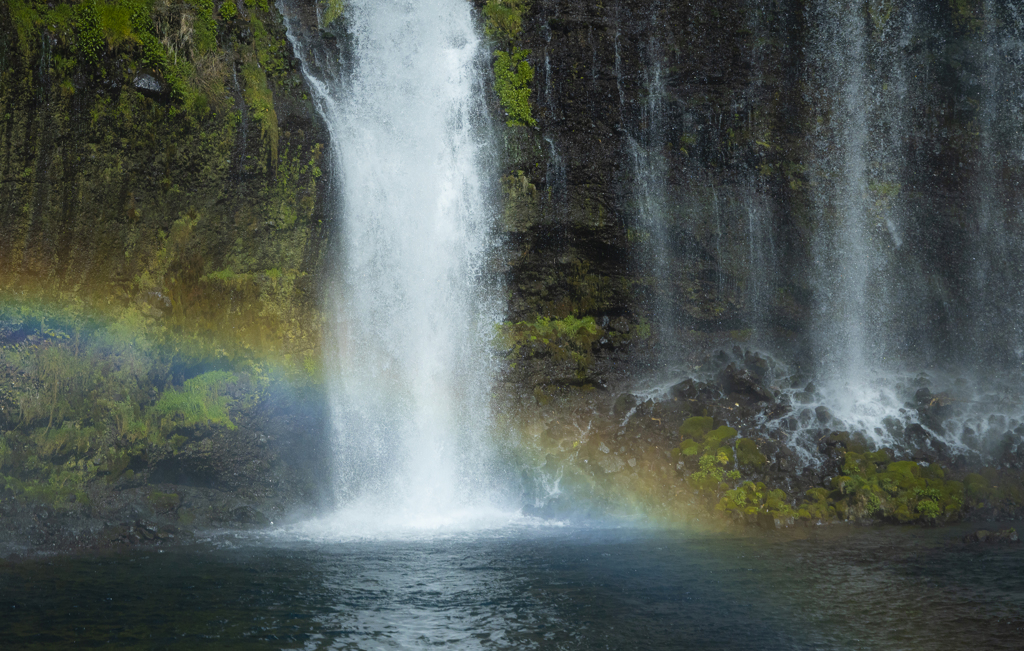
x=579 y=234
x=670 y=175
x=198 y=198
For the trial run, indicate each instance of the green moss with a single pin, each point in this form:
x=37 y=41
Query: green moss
x=716 y=437
x=115 y=23
x=570 y=338
x=818 y=506
x=260 y=101
x=228 y=10
x=711 y=472
x=330 y=10
x=901 y=491
x=69 y=438
x=750 y=498
x=25 y=19
x=689 y=448
x=906 y=471
x=977 y=487
x=747 y=454
x=89 y=44
x=696 y=427
x=512 y=77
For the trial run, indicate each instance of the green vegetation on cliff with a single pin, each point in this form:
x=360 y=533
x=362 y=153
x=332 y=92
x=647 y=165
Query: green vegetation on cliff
x=503 y=21
x=512 y=77
x=162 y=156
x=162 y=232
x=871 y=487
x=84 y=399
x=568 y=339
x=330 y=10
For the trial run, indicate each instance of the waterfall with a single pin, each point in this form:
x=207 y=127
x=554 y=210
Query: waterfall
x=914 y=290
x=996 y=299
x=653 y=216
x=415 y=309
x=863 y=280
x=645 y=132
x=847 y=258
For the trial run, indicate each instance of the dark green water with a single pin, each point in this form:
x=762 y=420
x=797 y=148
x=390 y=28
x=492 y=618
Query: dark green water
x=547 y=588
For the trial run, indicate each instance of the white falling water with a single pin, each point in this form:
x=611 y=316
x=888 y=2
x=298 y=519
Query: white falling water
x=651 y=219
x=997 y=294
x=866 y=283
x=414 y=309
x=844 y=256
x=861 y=277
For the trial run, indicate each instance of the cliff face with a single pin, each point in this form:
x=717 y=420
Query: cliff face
x=700 y=183
x=651 y=108
x=164 y=226
x=690 y=168
x=174 y=166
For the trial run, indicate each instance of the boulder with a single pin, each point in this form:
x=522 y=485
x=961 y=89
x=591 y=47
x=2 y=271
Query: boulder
x=149 y=84
x=922 y=445
x=742 y=382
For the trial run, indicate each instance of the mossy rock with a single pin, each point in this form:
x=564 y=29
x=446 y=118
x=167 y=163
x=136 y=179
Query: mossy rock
x=716 y=437
x=727 y=452
x=696 y=427
x=817 y=494
x=689 y=448
x=747 y=454
x=907 y=470
x=977 y=487
x=881 y=456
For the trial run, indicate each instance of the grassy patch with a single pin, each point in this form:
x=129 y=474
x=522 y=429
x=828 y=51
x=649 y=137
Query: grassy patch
x=260 y=101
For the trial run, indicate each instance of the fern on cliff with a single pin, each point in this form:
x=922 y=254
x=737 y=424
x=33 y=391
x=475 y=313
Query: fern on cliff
x=512 y=77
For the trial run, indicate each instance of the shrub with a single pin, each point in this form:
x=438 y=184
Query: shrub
x=198 y=402
x=512 y=77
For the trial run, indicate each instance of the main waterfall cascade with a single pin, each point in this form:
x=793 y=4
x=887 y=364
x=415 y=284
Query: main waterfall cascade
x=414 y=312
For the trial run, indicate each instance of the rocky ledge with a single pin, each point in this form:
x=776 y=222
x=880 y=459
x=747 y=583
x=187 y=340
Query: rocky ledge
x=743 y=438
